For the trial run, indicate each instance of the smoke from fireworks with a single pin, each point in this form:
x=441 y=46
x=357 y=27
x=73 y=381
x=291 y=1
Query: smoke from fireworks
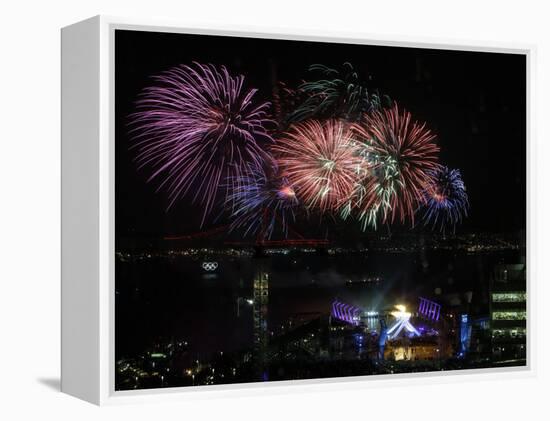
x=446 y=200
x=262 y=203
x=195 y=128
x=321 y=161
x=402 y=154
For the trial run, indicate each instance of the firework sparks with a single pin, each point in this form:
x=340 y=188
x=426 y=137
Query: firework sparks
x=373 y=193
x=262 y=203
x=321 y=160
x=446 y=200
x=339 y=94
x=401 y=153
x=195 y=128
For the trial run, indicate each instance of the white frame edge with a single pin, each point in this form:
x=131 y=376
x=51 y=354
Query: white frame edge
x=89 y=335
x=80 y=102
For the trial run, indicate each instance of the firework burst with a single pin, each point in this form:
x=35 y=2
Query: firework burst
x=321 y=160
x=262 y=203
x=338 y=94
x=373 y=193
x=195 y=128
x=402 y=154
x=446 y=200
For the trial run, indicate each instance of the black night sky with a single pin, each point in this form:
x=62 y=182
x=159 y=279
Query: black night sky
x=475 y=103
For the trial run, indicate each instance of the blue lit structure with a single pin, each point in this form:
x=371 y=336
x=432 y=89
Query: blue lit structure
x=382 y=338
x=429 y=309
x=346 y=313
x=465 y=335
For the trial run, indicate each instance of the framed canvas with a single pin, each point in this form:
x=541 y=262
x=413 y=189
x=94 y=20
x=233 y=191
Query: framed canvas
x=244 y=210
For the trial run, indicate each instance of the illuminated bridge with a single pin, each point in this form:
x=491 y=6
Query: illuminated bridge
x=297 y=240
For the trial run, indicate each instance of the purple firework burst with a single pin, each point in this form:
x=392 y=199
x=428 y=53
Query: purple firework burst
x=196 y=127
x=262 y=203
x=446 y=200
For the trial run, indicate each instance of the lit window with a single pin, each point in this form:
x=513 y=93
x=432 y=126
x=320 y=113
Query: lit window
x=509 y=315
x=509 y=297
x=509 y=333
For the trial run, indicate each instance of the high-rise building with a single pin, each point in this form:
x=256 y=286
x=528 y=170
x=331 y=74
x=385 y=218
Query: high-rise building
x=509 y=314
x=260 y=306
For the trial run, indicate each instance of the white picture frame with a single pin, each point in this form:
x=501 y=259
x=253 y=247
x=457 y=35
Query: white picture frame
x=88 y=213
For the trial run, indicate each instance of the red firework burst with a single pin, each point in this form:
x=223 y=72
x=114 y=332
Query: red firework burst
x=402 y=154
x=321 y=160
